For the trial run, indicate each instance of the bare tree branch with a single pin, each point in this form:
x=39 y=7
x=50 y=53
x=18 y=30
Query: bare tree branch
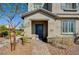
x=4 y=13
x=17 y=24
x=16 y=9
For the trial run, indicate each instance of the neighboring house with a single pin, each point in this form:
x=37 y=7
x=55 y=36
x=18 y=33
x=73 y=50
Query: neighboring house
x=56 y=21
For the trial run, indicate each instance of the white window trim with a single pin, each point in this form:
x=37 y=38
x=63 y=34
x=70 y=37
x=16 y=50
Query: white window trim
x=37 y=6
x=74 y=29
x=63 y=6
x=67 y=32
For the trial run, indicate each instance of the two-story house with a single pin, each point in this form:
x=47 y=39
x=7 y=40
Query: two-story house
x=48 y=21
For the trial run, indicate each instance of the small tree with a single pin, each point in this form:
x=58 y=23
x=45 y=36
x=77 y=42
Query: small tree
x=15 y=9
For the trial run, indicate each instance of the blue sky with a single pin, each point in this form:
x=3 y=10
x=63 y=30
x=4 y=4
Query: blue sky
x=17 y=18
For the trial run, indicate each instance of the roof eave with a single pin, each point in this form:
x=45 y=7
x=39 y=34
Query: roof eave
x=38 y=10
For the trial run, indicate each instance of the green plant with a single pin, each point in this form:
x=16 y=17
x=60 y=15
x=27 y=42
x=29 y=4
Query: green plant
x=3 y=31
x=18 y=32
x=67 y=41
x=25 y=39
x=63 y=41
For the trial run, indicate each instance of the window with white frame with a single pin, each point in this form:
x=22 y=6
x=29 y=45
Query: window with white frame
x=38 y=5
x=68 y=26
x=69 y=6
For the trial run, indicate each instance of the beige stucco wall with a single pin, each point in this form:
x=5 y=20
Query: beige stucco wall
x=77 y=26
x=39 y=17
x=54 y=25
x=56 y=32
x=56 y=8
x=30 y=7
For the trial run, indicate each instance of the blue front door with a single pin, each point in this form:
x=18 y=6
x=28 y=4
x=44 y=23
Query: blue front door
x=39 y=30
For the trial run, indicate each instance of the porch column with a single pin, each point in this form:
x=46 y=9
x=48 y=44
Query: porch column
x=27 y=30
x=51 y=30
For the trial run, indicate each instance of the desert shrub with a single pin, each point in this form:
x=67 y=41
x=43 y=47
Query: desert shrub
x=4 y=33
x=63 y=41
x=68 y=41
x=25 y=39
x=53 y=42
x=18 y=32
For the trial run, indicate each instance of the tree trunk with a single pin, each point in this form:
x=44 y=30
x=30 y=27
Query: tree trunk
x=12 y=39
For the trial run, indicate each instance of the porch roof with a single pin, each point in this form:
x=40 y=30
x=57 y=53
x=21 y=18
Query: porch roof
x=38 y=10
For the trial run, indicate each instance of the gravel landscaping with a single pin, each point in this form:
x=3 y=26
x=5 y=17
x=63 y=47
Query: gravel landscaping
x=37 y=47
x=20 y=50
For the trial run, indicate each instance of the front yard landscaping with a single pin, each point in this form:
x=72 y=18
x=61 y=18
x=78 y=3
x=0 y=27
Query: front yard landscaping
x=20 y=50
x=37 y=47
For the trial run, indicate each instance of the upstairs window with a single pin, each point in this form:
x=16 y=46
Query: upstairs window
x=69 y=6
x=74 y=6
x=38 y=5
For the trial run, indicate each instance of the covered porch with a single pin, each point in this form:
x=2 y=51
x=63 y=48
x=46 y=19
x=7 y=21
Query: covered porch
x=40 y=29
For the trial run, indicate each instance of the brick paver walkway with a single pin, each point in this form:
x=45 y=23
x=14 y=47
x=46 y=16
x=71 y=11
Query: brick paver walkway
x=39 y=47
